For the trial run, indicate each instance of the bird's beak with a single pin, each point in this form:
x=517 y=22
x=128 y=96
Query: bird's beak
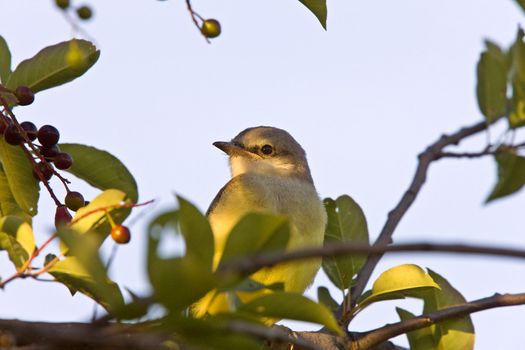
x=233 y=150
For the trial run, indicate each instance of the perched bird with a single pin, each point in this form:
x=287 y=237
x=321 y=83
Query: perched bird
x=270 y=174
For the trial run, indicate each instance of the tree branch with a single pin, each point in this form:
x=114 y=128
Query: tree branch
x=250 y=264
x=384 y=333
x=396 y=214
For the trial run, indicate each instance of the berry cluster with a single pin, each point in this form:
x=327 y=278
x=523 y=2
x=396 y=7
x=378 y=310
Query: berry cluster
x=83 y=12
x=46 y=158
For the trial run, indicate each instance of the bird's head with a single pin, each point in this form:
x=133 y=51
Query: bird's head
x=268 y=151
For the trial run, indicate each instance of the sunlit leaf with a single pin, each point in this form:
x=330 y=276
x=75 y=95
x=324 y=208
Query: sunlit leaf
x=511 y=175
x=399 y=282
x=318 y=8
x=8 y=205
x=419 y=339
x=100 y=169
x=5 y=61
x=346 y=223
x=492 y=83
x=19 y=173
x=453 y=334
x=293 y=306
x=49 y=67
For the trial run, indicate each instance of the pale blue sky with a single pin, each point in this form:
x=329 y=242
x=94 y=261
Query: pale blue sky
x=363 y=98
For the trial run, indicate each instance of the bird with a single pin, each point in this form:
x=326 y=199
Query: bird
x=269 y=174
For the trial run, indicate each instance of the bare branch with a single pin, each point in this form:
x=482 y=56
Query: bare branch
x=384 y=333
x=250 y=264
x=395 y=216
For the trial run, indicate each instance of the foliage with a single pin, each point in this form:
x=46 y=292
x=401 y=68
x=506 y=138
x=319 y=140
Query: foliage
x=183 y=279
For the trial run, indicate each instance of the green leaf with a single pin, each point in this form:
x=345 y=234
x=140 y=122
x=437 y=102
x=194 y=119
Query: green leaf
x=293 y=306
x=399 y=282
x=5 y=60
x=454 y=334
x=492 y=83
x=100 y=169
x=324 y=297
x=256 y=233
x=179 y=282
x=420 y=339
x=49 y=67
x=78 y=276
x=346 y=223
x=8 y=205
x=96 y=222
x=511 y=175
x=19 y=173
x=318 y=8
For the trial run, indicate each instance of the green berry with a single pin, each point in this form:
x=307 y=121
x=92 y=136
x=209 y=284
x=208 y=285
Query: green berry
x=211 y=28
x=74 y=200
x=63 y=4
x=84 y=12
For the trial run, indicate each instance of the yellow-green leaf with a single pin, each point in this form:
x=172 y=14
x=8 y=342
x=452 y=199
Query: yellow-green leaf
x=19 y=174
x=516 y=116
x=292 y=306
x=49 y=67
x=399 y=282
x=100 y=169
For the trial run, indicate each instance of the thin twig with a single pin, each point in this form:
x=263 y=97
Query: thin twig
x=384 y=333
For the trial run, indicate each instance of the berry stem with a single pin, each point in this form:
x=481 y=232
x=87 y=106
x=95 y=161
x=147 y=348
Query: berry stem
x=194 y=15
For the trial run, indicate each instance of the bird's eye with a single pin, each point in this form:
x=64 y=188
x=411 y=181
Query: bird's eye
x=267 y=149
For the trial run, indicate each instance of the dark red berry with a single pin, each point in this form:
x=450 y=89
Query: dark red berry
x=84 y=12
x=46 y=171
x=120 y=234
x=63 y=161
x=24 y=95
x=62 y=216
x=48 y=135
x=50 y=152
x=12 y=135
x=74 y=200
x=30 y=130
